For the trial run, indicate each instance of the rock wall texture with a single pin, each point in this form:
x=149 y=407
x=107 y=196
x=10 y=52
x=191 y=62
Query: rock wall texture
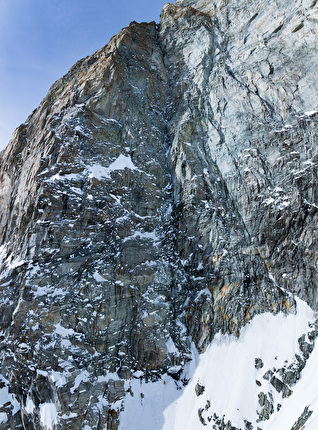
x=163 y=191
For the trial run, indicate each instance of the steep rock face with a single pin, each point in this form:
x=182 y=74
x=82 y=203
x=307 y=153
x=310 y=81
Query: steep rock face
x=261 y=83
x=163 y=191
x=241 y=169
x=87 y=224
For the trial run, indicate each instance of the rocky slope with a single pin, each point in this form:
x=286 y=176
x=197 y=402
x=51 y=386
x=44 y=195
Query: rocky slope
x=163 y=192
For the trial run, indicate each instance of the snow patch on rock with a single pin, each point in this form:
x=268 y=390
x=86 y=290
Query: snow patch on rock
x=48 y=415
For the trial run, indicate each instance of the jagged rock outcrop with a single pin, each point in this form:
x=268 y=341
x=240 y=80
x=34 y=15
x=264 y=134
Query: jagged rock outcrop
x=163 y=191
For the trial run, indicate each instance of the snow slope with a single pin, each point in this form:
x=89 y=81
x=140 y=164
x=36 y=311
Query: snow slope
x=225 y=381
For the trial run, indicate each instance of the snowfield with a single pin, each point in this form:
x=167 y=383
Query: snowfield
x=226 y=381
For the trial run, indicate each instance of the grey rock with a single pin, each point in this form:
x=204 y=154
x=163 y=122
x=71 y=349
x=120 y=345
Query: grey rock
x=299 y=424
x=280 y=387
x=202 y=420
x=305 y=347
x=248 y=425
x=258 y=363
x=267 y=408
x=268 y=375
x=199 y=389
x=163 y=191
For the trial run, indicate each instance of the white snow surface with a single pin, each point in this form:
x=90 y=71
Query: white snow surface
x=144 y=405
x=143 y=235
x=3 y=418
x=48 y=415
x=96 y=171
x=67 y=177
x=311 y=113
x=228 y=373
x=7 y=397
x=122 y=162
x=98 y=277
x=29 y=406
x=82 y=377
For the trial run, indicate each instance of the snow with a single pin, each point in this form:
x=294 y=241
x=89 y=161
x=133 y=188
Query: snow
x=82 y=377
x=138 y=374
x=227 y=371
x=6 y=397
x=96 y=171
x=99 y=172
x=145 y=403
x=29 y=406
x=102 y=403
x=311 y=113
x=143 y=235
x=63 y=332
x=42 y=372
x=48 y=415
x=16 y=263
x=76 y=191
x=171 y=347
x=3 y=418
x=58 y=379
x=98 y=277
x=48 y=291
x=122 y=162
x=81 y=130
x=278 y=198
x=144 y=407
x=69 y=416
x=67 y=177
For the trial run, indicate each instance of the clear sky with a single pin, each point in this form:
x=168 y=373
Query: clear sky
x=41 y=39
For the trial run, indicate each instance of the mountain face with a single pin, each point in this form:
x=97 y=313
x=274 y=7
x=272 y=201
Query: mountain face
x=158 y=230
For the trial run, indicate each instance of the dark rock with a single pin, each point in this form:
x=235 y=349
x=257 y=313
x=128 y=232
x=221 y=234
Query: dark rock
x=267 y=408
x=202 y=420
x=268 y=375
x=199 y=389
x=169 y=180
x=305 y=347
x=258 y=363
x=302 y=419
x=277 y=384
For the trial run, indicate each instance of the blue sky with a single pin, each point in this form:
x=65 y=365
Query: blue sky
x=41 y=39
